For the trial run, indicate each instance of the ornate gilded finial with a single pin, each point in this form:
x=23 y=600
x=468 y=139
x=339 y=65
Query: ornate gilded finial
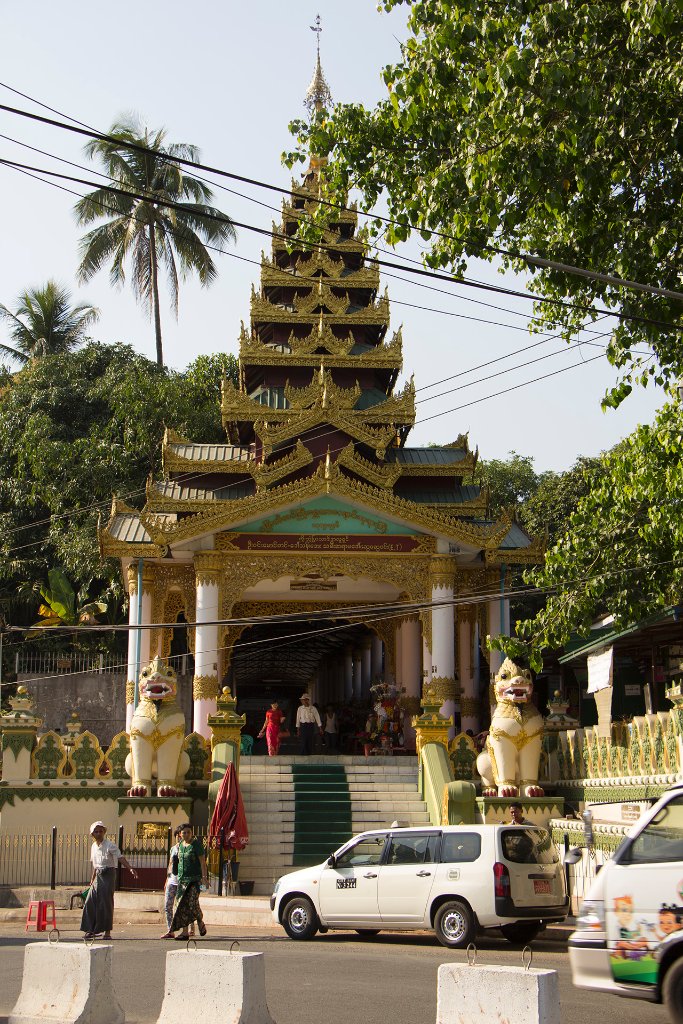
x=318 y=95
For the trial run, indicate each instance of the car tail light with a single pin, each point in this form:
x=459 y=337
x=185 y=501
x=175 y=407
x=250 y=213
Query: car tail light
x=501 y=880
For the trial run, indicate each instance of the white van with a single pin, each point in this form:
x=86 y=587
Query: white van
x=454 y=879
x=629 y=937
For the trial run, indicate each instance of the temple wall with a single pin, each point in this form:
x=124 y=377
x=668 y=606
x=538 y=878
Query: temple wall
x=98 y=698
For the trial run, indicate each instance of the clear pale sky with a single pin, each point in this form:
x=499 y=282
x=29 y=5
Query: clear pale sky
x=228 y=77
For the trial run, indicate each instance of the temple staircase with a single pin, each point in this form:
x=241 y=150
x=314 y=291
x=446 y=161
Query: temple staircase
x=300 y=809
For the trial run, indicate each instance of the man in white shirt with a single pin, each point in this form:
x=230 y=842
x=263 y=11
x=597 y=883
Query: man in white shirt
x=98 y=909
x=307 y=720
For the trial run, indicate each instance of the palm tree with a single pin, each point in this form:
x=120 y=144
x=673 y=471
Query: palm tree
x=146 y=230
x=45 y=323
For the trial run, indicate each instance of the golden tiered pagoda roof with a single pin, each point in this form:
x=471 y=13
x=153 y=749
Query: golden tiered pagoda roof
x=316 y=412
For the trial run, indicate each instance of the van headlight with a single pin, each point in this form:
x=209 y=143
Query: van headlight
x=276 y=887
x=592 y=917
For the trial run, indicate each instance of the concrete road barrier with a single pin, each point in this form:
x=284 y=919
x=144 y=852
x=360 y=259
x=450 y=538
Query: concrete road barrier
x=468 y=993
x=67 y=982
x=215 y=986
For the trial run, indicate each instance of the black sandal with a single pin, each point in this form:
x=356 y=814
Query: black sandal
x=202 y=929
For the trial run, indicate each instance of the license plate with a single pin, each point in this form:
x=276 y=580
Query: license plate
x=542 y=887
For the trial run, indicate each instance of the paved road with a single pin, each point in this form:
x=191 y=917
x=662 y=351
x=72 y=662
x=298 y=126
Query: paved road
x=337 y=978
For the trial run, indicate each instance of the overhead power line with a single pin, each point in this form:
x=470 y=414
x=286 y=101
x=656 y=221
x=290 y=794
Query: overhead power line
x=532 y=260
x=467 y=282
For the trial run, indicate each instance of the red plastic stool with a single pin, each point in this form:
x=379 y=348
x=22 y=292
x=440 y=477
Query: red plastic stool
x=41 y=920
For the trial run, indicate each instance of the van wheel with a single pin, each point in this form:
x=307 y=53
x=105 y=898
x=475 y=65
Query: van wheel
x=299 y=918
x=521 y=931
x=673 y=991
x=454 y=924
x=367 y=933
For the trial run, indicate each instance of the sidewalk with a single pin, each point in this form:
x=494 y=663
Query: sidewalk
x=234 y=912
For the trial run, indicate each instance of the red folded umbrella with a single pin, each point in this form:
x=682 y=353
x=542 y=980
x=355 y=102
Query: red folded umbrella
x=228 y=814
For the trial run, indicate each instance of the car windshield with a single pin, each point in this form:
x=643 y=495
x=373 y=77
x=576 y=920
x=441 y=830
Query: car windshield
x=528 y=846
x=367 y=850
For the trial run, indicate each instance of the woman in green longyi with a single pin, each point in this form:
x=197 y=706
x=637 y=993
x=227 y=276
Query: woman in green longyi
x=192 y=871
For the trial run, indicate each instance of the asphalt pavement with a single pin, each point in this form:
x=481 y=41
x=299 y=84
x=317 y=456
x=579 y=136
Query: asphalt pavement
x=337 y=978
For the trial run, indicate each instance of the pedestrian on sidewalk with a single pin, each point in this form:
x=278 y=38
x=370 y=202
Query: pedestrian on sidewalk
x=307 y=720
x=172 y=887
x=98 y=909
x=271 y=728
x=192 y=872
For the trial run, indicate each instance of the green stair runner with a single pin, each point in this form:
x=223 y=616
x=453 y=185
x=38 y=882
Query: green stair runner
x=322 y=811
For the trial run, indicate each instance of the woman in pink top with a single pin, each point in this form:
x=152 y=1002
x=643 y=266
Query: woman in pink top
x=271 y=728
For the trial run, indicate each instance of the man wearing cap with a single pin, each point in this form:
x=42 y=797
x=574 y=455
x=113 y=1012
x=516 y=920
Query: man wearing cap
x=307 y=719
x=98 y=909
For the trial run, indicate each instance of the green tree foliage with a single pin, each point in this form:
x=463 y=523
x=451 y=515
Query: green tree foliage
x=45 y=323
x=144 y=230
x=76 y=429
x=511 y=482
x=533 y=127
x=549 y=508
x=622 y=550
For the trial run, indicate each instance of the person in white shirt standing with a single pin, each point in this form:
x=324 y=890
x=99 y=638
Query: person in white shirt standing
x=98 y=909
x=307 y=720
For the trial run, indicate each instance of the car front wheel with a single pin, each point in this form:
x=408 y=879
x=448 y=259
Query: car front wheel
x=299 y=918
x=454 y=924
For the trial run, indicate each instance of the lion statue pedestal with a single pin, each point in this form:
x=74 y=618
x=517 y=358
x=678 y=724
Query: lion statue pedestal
x=157 y=733
x=509 y=766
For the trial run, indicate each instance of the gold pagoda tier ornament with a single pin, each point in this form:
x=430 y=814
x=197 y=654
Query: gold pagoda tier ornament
x=318 y=95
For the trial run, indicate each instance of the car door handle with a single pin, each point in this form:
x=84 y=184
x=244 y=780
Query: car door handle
x=423 y=874
x=370 y=875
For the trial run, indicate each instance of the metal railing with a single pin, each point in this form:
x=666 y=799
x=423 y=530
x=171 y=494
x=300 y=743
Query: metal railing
x=41 y=663
x=57 y=858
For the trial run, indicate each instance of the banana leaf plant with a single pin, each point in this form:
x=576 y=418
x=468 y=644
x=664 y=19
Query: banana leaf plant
x=60 y=607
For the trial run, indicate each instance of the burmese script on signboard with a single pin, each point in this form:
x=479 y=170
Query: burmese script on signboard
x=337 y=542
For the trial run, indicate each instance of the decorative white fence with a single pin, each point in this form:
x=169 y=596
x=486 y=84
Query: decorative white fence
x=36 y=664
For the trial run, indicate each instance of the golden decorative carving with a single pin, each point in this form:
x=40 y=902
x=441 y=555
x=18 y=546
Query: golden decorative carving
x=444 y=687
x=323 y=393
x=379 y=475
x=265 y=312
x=426 y=623
x=148 y=579
x=205 y=688
x=306 y=351
x=465 y=467
x=346 y=216
x=470 y=707
x=237 y=406
x=532 y=555
x=442 y=570
x=174 y=591
x=349 y=422
x=130 y=691
x=298 y=458
x=347 y=245
x=321 y=295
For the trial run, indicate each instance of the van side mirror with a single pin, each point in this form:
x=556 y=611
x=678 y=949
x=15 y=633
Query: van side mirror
x=573 y=856
x=331 y=861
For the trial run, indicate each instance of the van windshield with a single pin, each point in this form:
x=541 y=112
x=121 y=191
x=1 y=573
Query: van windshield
x=661 y=840
x=528 y=846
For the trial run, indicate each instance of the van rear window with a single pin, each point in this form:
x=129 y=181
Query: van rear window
x=528 y=846
x=457 y=848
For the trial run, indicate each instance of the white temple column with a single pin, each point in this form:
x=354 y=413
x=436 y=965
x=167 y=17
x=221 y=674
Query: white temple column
x=145 y=635
x=348 y=674
x=443 y=634
x=469 y=702
x=498 y=621
x=366 y=667
x=376 y=658
x=205 y=684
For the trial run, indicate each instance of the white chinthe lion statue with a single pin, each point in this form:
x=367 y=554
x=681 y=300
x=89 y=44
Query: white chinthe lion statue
x=509 y=766
x=157 y=733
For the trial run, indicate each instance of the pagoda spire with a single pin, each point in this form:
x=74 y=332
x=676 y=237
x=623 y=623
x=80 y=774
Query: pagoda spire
x=318 y=95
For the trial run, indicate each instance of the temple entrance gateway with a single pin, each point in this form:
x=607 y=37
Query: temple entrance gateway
x=317 y=503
